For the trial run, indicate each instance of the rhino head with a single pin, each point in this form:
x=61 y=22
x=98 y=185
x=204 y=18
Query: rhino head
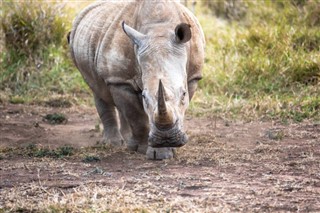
x=162 y=60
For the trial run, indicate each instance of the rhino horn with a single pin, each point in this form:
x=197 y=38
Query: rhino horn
x=164 y=118
x=137 y=37
x=162 y=109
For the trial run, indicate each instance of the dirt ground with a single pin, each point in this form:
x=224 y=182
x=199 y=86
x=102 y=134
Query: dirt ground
x=227 y=166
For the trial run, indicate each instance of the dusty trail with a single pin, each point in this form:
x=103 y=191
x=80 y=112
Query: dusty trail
x=226 y=167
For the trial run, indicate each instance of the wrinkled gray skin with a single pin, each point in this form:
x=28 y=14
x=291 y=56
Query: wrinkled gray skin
x=142 y=60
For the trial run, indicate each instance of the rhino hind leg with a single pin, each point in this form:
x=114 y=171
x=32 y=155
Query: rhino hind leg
x=108 y=116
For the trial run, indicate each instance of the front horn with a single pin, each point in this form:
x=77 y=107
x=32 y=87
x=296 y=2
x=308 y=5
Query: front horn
x=162 y=109
x=164 y=118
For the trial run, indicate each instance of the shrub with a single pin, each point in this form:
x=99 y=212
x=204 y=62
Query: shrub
x=29 y=26
x=264 y=61
x=35 y=61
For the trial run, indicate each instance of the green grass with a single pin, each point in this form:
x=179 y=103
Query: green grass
x=262 y=58
x=90 y=159
x=86 y=154
x=36 y=64
x=32 y=150
x=56 y=118
x=266 y=65
x=39 y=152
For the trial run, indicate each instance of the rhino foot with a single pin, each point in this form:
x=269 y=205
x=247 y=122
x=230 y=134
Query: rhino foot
x=140 y=148
x=152 y=153
x=116 y=142
x=160 y=153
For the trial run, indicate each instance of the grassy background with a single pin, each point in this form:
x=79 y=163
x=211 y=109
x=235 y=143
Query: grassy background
x=262 y=61
x=262 y=58
x=35 y=63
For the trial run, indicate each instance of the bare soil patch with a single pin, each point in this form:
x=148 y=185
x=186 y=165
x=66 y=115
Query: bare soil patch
x=227 y=166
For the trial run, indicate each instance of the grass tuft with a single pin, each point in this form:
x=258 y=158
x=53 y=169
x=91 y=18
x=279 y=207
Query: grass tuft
x=35 y=63
x=90 y=159
x=61 y=152
x=56 y=118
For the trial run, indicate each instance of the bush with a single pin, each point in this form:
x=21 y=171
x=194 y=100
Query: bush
x=31 y=25
x=35 y=61
x=260 y=63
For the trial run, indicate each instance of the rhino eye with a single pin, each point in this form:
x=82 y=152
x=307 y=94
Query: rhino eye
x=183 y=95
x=143 y=94
x=145 y=97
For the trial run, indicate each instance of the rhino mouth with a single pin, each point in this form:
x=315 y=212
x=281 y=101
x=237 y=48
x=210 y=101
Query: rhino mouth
x=173 y=137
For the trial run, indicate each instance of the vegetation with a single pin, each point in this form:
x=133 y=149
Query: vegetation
x=34 y=151
x=263 y=63
x=91 y=158
x=35 y=64
x=262 y=57
x=90 y=154
x=56 y=118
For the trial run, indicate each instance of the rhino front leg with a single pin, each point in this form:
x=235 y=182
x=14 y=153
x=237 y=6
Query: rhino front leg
x=108 y=116
x=125 y=128
x=132 y=117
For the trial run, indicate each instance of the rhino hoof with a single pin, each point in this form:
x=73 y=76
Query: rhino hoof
x=160 y=153
x=135 y=146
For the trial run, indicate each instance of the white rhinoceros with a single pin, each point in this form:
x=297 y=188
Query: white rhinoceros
x=142 y=59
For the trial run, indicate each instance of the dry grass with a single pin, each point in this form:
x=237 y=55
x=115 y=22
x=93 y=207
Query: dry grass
x=101 y=198
x=217 y=171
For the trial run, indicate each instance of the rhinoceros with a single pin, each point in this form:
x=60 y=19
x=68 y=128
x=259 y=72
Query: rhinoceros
x=142 y=59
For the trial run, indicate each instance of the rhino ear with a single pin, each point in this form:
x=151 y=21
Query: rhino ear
x=183 y=33
x=137 y=37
